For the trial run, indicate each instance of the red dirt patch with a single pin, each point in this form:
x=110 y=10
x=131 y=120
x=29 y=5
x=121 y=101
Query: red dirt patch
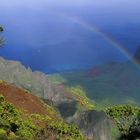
x=22 y=99
x=92 y=73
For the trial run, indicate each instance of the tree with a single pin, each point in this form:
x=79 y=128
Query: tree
x=1 y=29
x=127 y=118
x=1 y=38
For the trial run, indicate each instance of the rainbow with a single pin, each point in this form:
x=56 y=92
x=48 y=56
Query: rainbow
x=106 y=37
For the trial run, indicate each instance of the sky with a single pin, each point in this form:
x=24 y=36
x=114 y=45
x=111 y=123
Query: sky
x=48 y=35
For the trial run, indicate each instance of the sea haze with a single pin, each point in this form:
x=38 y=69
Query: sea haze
x=53 y=36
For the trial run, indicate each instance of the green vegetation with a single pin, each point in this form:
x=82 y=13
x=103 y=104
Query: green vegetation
x=14 y=125
x=127 y=118
x=75 y=92
x=115 y=134
x=56 y=79
x=78 y=94
x=59 y=130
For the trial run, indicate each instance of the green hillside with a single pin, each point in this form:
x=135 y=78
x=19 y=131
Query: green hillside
x=19 y=125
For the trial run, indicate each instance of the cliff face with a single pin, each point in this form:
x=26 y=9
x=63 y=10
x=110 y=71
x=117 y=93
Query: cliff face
x=15 y=73
x=96 y=125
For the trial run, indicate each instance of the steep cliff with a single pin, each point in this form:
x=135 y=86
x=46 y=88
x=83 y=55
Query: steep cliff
x=36 y=82
x=96 y=125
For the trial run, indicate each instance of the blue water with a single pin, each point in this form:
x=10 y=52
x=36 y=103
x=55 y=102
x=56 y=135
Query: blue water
x=40 y=34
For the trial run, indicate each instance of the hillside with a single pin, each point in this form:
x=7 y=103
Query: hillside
x=25 y=117
x=25 y=100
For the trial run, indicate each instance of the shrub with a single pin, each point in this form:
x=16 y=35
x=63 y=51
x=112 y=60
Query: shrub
x=127 y=118
x=12 y=122
x=59 y=130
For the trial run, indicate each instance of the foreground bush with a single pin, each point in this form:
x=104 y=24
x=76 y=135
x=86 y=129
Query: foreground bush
x=127 y=118
x=12 y=124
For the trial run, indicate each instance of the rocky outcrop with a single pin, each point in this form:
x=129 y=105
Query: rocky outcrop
x=37 y=82
x=95 y=125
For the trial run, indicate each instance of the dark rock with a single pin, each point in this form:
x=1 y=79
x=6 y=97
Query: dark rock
x=96 y=125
